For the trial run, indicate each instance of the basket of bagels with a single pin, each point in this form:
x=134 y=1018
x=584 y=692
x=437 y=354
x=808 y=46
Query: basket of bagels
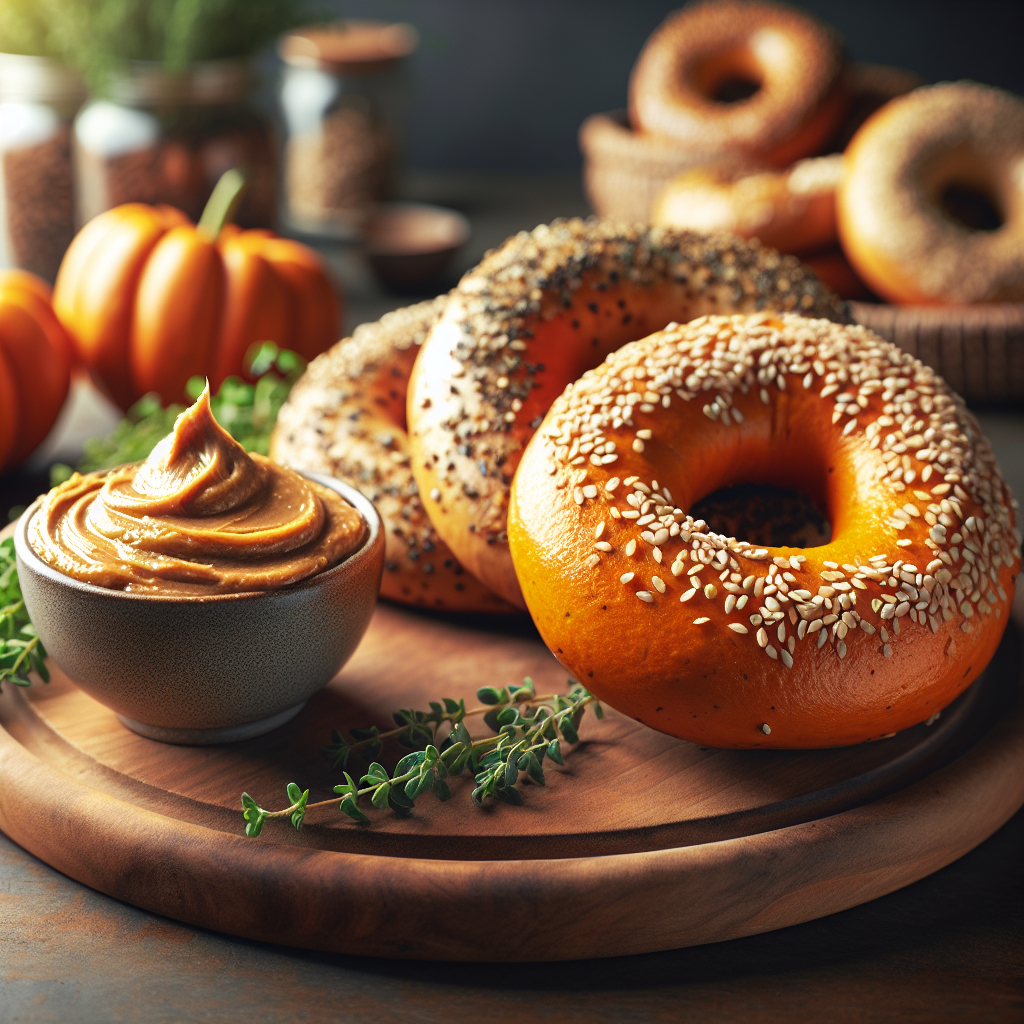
x=905 y=198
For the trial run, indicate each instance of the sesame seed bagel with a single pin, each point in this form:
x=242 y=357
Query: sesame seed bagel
x=793 y=61
x=916 y=172
x=345 y=417
x=534 y=315
x=719 y=641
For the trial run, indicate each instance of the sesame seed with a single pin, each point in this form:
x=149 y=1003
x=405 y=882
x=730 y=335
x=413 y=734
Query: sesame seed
x=638 y=446
x=646 y=596
x=630 y=549
x=738 y=627
x=787 y=659
x=766 y=729
x=686 y=596
x=700 y=621
x=626 y=577
x=435 y=494
x=711 y=591
x=659 y=585
x=762 y=638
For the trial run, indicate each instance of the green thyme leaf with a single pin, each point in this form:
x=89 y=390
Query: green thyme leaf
x=529 y=729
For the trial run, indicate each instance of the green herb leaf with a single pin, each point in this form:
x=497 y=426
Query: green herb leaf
x=254 y=816
x=348 y=805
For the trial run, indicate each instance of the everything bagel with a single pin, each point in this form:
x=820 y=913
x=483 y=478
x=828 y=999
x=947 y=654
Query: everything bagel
x=719 y=641
x=346 y=417
x=534 y=315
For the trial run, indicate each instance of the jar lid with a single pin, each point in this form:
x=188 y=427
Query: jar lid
x=144 y=83
x=25 y=79
x=350 y=47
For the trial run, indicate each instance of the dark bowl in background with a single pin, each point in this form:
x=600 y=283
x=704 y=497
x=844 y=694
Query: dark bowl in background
x=409 y=244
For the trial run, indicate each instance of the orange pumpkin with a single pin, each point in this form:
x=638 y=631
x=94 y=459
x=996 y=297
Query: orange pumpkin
x=150 y=299
x=35 y=365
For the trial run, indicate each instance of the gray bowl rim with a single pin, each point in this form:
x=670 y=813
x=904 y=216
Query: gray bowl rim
x=359 y=501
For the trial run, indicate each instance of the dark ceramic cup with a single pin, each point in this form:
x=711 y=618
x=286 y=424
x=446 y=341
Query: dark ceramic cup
x=209 y=669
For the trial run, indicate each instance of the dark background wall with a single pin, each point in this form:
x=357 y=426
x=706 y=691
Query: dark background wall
x=504 y=84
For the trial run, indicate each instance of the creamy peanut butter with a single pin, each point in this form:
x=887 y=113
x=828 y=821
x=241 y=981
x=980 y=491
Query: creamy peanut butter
x=199 y=516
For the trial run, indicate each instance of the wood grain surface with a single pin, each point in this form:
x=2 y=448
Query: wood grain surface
x=642 y=842
x=979 y=350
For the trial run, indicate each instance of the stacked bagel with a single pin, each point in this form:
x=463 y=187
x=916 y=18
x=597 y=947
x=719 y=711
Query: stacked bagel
x=432 y=430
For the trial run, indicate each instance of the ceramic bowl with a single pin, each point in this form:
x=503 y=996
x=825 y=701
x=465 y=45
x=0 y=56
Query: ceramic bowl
x=408 y=244
x=209 y=669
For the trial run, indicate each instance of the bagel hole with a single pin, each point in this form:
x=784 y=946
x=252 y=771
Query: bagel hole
x=735 y=90
x=729 y=76
x=971 y=207
x=777 y=517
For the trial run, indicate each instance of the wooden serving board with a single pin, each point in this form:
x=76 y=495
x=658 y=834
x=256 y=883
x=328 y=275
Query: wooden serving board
x=642 y=842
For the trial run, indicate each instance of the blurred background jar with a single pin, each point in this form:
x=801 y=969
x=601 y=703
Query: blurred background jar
x=343 y=96
x=159 y=136
x=38 y=100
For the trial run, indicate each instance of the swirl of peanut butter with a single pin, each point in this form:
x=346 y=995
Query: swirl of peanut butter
x=199 y=516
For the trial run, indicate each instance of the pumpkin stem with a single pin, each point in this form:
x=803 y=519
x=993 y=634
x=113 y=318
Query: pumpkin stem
x=223 y=202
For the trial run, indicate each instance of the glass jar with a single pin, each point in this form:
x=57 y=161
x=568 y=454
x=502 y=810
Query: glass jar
x=38 y=100
x=160 y=137
x=343 y=95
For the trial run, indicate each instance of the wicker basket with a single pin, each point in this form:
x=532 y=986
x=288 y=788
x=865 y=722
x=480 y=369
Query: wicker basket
x=623 y=170
x=979 y=350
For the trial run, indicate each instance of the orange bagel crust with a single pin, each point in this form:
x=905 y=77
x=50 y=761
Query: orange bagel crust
x=793 y=210
x=531 y=318
x=714 y=640
x=345 y=417
x=795 y=60
x=891 y=220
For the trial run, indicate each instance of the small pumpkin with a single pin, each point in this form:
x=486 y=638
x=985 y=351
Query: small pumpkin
x=35 y=365
x=151 y=299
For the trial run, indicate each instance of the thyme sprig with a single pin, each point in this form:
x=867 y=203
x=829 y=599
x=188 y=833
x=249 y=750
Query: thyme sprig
x=21 y=651
x=527 y=729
